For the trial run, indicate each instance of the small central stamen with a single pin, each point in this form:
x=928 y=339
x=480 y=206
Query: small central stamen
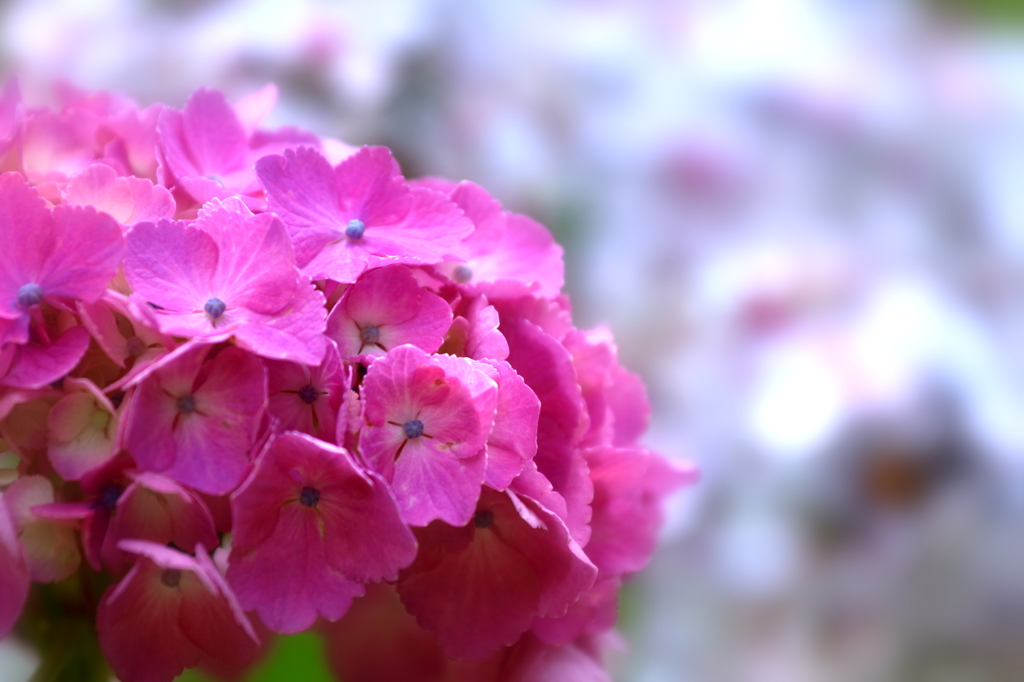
x=484 y=518
x=369 y=334
x=309 y=394
x=135 y=346
x=413 y=428
x=29 y=295
x=171 y=577
x=109 y=495
x=355 y=229
x=462 y=274
x=215 y=307
x=309 y=497
x=187 y=404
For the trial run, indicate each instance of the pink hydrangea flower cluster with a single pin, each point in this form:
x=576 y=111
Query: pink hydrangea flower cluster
x=259 y=380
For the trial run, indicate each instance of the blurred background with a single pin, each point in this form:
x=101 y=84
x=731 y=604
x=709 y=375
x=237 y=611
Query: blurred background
x=803 y=220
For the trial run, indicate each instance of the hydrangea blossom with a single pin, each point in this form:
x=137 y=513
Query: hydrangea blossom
x=262 y=390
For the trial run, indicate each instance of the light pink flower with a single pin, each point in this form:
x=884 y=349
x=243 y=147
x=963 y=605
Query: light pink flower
x=69 y=253
x=51 y=551
x=505 y=247
x=427 y=423
x=229 y=272
x=128 y=200
x=14 y=581
x=83 y=430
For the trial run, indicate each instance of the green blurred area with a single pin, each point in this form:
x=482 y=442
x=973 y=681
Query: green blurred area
x=292 y=657
x=998 y=13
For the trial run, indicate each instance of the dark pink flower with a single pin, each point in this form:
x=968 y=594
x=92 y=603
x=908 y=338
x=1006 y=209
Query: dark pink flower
x=480 y=586
x=629 y=486
x=474 y=329
x=307 y=399
x=512 y=441
x=617 y=404
x=195 y=418
x=14 y=580
x=229 y=272
x=172 y=611
x=310 y=528
x=427 y=423
x=359 y=215
x=387 y=308
x=155 y=508
x=69 y=253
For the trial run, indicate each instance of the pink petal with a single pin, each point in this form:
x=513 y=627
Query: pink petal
x=513 y=439
x=14 y=581
x=291 y=561
x=50 y=548
x=513 y=563
x=171 y=264
x=36 y=366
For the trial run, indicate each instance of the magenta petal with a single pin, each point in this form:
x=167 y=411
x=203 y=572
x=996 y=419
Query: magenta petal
x=36 y=366
x=128 y=200
x=309 y=525
x=302 y=189
x=27 y=231
x=294 y=333
x=216 y=138
x=157 y=509
x=207 y=447
x=516 y=561
x=547 y=369
x=256 y=265
x=436 y=474
x=14 y=580
x=513 y=439
x=171 y=264
x=389 y=303
x=167 y=614
x=629 y=485
x=87 y=250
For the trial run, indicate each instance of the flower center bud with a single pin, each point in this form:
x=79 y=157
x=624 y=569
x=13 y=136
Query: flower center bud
x=135 y=346
x=110 y=494
x=413 y=428
x=187 y=404
x=484 y=518
x=215 y=307
x=100 y=419
x=171 y=577
x=462 y=274
x=29 y=295
x=369 y=334
x=309 y=394
x=355 y=229
x=309 y=497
